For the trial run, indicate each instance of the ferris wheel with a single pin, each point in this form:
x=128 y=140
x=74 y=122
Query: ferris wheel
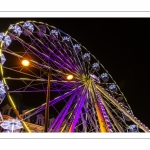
x=44 y=63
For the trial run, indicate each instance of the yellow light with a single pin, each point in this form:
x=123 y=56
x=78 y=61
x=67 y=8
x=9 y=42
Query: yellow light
x=25 y=63
x=69 y=77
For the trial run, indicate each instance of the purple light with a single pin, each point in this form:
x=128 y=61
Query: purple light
x=78 y=112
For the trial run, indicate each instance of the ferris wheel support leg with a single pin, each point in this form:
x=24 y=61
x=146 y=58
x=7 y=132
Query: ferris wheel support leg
x=84 y=123
x=16 y=111
x=114 y=120
x=94 y=117
x=99 y=112
x=47 y=104
x=100 y=119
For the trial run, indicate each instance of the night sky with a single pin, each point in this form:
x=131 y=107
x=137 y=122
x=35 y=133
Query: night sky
x=122 y=45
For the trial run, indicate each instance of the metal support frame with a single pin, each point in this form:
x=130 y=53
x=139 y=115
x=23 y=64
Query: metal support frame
x=79 y=109
x=120 y=108
x=98 y=111
x=16 y=111
x=113 y=118
x=47 y=104
x=10 y=99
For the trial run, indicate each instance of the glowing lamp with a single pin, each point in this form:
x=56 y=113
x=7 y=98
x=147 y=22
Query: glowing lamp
x=69 y=77
x=25 y=63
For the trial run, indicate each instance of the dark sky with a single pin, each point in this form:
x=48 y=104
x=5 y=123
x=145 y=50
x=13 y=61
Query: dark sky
x=122 y=45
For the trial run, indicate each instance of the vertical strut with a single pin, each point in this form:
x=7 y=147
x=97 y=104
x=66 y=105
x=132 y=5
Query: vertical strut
x=84 y=123
x=99 y=112
x=47 y=104
x=113 y=118
x=100 y=118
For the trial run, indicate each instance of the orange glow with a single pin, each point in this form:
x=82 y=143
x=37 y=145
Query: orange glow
x=25 y=63
x=69 y=77
x=100 y=119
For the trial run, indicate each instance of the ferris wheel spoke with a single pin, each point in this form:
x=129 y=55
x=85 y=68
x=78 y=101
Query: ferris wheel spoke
x=76 y=56
x=102 y=108
x=31 y=71
x=69 y=60
x=83 y=122
x=45 y=56
x=42 y=80
x=113 y=118
x=72 y=120
x=55 y=100
x=66 y=52
x=29 y=47
x=27 y=79
x=79 y=109
x=92 y=122
x=42 y=54
x=57 y=43
x=58 y=90
x=76 y=62
x=52 y=53
x=59 y=48
x=31 y=91
x=28 y=86
x=20 y=72
x=39 y=109
x=60 y=115
x=59 y=124
x=63 y=86
x=34 y=62
x=91 y=102
x=33 y=87
x=90 y=113
x=60 y=73
x=115 y=121
x=117 y=116
x=67 y=122
x=72 y=67
x=129 y=115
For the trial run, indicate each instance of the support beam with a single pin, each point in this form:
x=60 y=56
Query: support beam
x=98 y=111
x=100 y=118
x=79 y=109
x=16 y=111
x=57 y=128
x=83 y=123
x=114 y=120
x=114 y=101
x=47 y=104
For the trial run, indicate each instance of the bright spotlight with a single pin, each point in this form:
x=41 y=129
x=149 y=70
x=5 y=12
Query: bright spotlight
x=25 y=63
x=69 y=77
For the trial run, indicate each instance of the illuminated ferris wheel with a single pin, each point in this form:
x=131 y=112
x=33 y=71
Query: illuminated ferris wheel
x=44 y=63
